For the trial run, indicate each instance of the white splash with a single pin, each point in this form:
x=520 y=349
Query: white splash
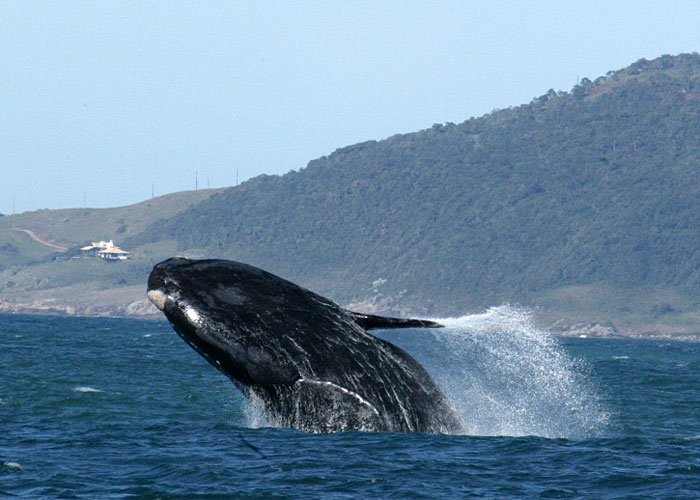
x=506 y=376
x=252 y=412
x=86 y=389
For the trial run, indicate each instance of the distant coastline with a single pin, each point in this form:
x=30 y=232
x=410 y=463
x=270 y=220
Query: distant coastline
x=580 y=206
x=143 y=309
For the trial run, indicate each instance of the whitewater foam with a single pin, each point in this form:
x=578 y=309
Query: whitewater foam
x=505 y=376
x=86 y=389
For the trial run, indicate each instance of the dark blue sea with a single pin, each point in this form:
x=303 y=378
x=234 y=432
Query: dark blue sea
x=96 y=408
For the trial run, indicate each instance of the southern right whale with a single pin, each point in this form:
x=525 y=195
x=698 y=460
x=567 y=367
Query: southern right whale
x=303 y=360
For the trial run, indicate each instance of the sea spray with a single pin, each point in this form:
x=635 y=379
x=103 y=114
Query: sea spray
x=507 y=377
x=503 y=374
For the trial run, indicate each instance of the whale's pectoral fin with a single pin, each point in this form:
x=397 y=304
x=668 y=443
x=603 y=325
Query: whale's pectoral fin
x=369 y=322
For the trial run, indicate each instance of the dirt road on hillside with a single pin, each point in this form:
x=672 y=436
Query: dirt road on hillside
x=39 y=240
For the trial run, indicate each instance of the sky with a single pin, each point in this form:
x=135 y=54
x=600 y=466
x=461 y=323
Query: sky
x=106 y=103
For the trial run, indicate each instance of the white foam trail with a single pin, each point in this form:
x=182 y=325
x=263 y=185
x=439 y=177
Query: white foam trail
x=86 y=389
x=506 y=376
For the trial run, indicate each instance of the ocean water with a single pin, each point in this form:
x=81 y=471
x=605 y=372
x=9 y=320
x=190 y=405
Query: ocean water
x=108 y=409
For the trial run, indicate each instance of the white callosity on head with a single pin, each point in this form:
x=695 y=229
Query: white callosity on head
x=158 y=298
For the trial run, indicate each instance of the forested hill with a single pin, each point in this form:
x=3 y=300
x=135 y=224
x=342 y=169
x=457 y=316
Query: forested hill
x=599 y=185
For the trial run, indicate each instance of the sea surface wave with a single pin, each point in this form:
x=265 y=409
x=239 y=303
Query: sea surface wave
x=112 y=409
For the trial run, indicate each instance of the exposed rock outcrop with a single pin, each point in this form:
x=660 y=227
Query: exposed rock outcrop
x=584 y=329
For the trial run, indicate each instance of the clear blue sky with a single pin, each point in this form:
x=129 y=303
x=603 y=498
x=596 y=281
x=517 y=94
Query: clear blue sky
x=100 y=101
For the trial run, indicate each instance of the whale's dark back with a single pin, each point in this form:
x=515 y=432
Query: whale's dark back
x=302 y=358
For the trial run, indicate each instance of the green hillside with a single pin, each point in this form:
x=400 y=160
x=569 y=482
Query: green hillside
x=17 y=249
x=70 y=227
x=599 y=186
x=36 y=277
x=584 y=205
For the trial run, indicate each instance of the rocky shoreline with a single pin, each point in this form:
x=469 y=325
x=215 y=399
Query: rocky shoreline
x=143 y=309
x=139 y=309
x=582 y=329
x=607 y=329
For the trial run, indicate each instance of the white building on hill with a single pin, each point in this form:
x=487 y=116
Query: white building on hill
x=106 y=250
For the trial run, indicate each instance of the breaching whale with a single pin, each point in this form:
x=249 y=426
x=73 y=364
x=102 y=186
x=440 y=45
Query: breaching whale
x=303 y=360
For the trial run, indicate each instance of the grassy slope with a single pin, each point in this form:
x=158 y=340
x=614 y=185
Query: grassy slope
x=17 y=248
x=71 y=227
x=33 y=280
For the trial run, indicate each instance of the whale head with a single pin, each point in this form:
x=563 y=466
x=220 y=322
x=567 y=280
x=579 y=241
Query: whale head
x=230 y=313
